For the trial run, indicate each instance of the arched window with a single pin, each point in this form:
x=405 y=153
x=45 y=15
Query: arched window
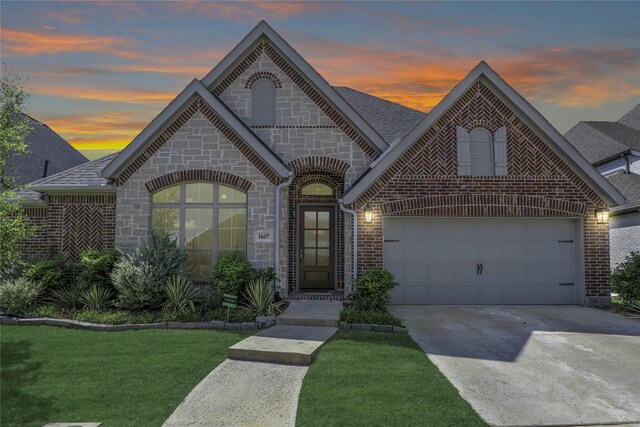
x=480 y=153
x=263 y=100
x=317 y=189
x=208 y=220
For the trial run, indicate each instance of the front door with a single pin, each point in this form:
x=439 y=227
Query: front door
x=316 y=257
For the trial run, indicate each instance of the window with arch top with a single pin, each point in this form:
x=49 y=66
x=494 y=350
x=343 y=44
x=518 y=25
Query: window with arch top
x=480 y=153
x=317 y=189
x=207 y=219
x=263 y=102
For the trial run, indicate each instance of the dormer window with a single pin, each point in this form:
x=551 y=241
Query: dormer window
x=264 y=102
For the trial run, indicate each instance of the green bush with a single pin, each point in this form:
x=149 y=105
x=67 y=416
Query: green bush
x=183 y=317
x=180 y=296
x=163 y=253
x=114 y=317
x=96 y=266
x=52 y=273
x=19 y=296
x=353 y=315
x=259 y=299
x=96 y=298
x=625 y=279
x=372 y=290
x=231 y=274
x=47 y=311
x=66 y=298
x=139 y=284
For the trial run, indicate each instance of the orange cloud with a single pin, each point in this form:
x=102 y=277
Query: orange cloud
x=120 y=94
x=247 y=10
x=29 y=43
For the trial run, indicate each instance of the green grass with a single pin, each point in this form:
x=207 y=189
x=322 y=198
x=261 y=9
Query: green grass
x=351 y=315
x=119 y=378
x=378 y=379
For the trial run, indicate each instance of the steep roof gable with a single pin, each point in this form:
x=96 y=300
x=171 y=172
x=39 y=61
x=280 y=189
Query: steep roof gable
x=632 y=118
x=155 y=134
x=303 y=75
x=518 y=104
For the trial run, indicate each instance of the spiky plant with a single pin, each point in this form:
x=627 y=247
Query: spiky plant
x=259 y=299
x=96 y=298
x=180 y=294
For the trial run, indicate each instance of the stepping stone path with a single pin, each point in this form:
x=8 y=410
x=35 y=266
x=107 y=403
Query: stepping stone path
x=260 y=383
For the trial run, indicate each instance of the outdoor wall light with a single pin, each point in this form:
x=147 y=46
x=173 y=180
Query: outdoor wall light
x=602 y=215
x=368 y=215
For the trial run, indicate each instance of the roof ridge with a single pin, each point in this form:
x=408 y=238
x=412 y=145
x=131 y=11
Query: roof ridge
x=380 y=98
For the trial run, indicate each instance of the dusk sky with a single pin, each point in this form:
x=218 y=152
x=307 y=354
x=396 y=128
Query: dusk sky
x=100 y=71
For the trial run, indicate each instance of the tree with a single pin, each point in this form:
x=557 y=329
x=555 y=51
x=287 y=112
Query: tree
x=14 y=128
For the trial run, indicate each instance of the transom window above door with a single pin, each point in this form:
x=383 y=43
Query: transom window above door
x=207 y=219
x=317 y=189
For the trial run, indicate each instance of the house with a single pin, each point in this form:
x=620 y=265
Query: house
x=48 y=153
x=613 y=148
x=480 y=201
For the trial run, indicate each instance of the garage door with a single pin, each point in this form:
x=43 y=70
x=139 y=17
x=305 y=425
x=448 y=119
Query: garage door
x=481 y=261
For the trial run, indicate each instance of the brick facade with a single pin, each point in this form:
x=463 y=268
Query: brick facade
x=71 y=224
x=424 y=181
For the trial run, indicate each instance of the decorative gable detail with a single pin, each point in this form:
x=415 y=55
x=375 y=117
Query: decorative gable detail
x=500 y=151
x=198 y=106
x=336 y=117
x=207 y=175
x=463 y=151
x=263 y=75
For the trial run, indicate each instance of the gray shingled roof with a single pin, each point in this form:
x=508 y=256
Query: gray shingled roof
x=632 y=118
x=44 y=144
x=84 y=175
x=627 y=183
x=392 y=121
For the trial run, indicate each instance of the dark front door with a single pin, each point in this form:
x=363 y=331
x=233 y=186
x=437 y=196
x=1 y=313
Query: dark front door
x=317 y=243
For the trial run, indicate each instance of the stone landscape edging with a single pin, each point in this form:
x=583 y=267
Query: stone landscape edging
x=261 y=323
x=372 y=327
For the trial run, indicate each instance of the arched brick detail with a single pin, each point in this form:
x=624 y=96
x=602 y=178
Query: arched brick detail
x=198 y=175
x=263 y=75
x=319 y=164
x=484 y=205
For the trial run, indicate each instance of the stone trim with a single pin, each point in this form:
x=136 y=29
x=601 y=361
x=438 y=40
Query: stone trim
x=372 y=327
x=266 y=48
x=88 y=326
x=263 y=75
x=199 y=106
x=207 y=175
x=488 y=204
x=319 y=164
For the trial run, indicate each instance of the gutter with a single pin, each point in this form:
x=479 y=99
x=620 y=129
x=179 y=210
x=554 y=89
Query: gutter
x=90 y=187
x=355 y=239
x=277 y=231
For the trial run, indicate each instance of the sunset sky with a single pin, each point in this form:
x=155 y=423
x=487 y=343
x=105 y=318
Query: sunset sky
x=100 y=71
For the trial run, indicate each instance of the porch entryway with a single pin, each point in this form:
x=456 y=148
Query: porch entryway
x=317 y=247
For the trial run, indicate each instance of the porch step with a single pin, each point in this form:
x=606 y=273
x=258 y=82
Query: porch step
x=311 y=313
x=285 y=344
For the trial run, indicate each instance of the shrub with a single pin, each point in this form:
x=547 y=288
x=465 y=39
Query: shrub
x=180 y=295
x=96 y=298
x=353 y=315
x=235 y=316
x=231 y=275
x=66 y=298
x=47 y=311
x=114 y=317
x=12 y=271
x=625 y=279
x=259 y=299
x=52 y=273
x=19 y=296
x=163 y=253
x=372 y=290
x=183 y=317
x=96 y=268
x=139 y=284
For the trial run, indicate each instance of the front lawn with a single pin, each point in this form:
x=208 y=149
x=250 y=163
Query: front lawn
x=381 y=379
x=118 y=378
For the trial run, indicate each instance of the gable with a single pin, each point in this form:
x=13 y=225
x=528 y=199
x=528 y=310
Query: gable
x=195 y=98
x=263 y=40
x=482 y=99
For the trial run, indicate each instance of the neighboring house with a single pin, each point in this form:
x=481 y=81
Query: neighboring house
x=479 y=202
x=48 y=153
x=614 y=149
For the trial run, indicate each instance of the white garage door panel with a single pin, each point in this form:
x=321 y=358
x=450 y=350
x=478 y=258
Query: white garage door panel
x=524 y=261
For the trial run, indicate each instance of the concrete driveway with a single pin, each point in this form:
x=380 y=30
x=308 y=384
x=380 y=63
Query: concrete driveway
x=535 y=365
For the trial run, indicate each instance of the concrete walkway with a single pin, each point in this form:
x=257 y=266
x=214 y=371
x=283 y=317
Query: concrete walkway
x=262 y=387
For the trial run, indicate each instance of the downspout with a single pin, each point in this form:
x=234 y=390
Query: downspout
x=355 y=240
x=277 y=231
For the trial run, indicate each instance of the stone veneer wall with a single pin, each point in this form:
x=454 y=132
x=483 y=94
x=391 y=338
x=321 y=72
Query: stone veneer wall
x=196 y=145
x=624 y=231
x=424 y=182
x=72 y=223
